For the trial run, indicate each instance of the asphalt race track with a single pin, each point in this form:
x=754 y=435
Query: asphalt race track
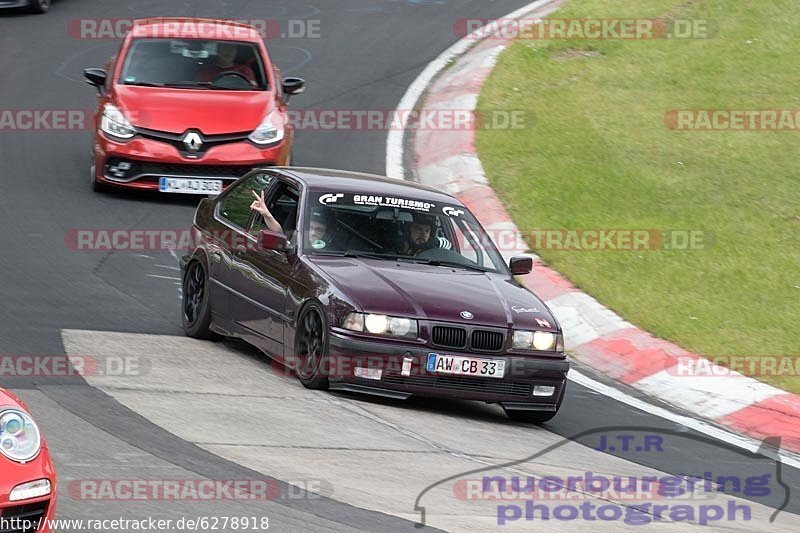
x=219 y=410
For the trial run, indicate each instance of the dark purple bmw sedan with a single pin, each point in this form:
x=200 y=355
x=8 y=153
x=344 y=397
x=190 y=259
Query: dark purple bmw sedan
x=367 y=284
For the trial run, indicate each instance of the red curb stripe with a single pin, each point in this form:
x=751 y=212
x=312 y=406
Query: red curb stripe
x=546 y=283
x=777 y=416
x=630 y=355
x=460 y=84
x=440 y=145
x=451 y=92
x=485 y=205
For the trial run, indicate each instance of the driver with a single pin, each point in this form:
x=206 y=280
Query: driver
x=420 y=236
x=225 y=61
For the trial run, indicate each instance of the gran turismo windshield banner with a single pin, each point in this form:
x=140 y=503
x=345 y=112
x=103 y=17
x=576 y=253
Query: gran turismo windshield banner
x=378 y=200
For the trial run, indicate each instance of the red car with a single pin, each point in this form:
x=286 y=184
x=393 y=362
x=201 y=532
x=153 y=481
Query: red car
x=188 y=106
x=27 y=476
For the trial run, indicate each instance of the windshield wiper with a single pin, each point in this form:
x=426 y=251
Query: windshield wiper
x=177 y=84
x=193 y=84
x=359 y=253
x=205 y=85
x=455 y=264
x=144 y=84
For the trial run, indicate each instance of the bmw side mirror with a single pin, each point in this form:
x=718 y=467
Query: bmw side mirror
x=96 y=77
x=293 y=86
x=272 y=240
x=520 y=265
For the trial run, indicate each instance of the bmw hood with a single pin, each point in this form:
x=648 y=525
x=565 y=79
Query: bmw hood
x=178 y=110
x=436 y=293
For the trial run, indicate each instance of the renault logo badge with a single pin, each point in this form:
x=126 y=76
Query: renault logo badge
x=193 y=142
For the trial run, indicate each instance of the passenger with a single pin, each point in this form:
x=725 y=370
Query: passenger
x=260 y=206
x=318 y=226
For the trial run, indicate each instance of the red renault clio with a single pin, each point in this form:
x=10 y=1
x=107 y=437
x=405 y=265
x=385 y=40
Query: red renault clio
x=188 y=106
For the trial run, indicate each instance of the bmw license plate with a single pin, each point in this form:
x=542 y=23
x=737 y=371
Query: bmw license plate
x=190 y=186
x=465 y=366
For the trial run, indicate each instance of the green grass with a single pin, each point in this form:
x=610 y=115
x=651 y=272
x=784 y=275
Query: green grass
x=600 y=156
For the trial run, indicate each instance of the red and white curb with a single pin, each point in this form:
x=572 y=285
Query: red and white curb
x=598 y=337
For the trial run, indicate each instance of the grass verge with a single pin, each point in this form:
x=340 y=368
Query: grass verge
x=600 y=156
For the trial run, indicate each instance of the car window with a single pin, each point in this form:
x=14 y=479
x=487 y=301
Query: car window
x=465 y=242
x=283 y=204
x=193 y=64
x=235 y=206
x=379 y=226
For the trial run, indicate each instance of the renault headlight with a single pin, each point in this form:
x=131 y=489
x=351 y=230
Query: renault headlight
x=381 y=325
x=114 y=123
x=20 y=439
x=271 y=129
x=543 y=341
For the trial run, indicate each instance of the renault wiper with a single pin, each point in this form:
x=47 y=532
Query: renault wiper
x=144 y=84
x=205 y=85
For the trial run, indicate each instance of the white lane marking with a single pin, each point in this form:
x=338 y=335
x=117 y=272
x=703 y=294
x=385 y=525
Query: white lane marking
x=163 y=277
x=396 y=137
x=712 y=397
x=740 y=441
x=169 y=267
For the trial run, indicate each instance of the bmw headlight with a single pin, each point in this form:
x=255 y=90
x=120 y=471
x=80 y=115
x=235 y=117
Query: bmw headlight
x=20 y=439
x=381 y=325
x=114 y=123
x=271 y=129
x=543 y=341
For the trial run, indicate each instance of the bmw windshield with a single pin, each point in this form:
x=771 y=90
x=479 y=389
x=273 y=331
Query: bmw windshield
x=394 y=228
